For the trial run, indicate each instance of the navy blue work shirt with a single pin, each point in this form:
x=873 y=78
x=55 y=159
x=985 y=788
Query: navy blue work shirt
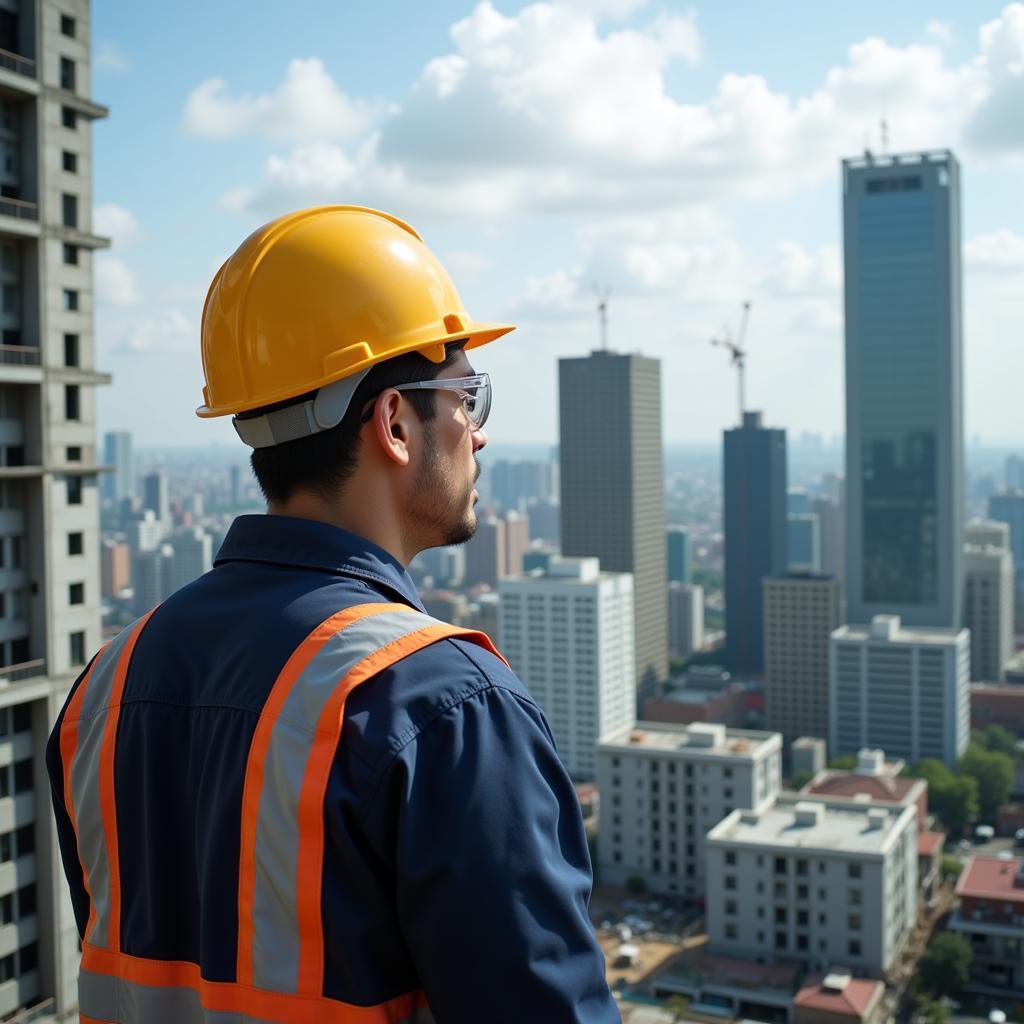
x=455 y=860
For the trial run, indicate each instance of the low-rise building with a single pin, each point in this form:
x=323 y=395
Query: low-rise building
x=828 y=881
x=996 y=704
x=838 y=998
x=663 y=787
x=991 y=918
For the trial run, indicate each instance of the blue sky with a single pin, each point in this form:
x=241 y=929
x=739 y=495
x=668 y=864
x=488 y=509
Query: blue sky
x=685 y=156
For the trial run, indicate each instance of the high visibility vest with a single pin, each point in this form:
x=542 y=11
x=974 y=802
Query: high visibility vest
x=280 y=955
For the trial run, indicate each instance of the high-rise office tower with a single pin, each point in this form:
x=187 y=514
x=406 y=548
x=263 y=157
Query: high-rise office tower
x=988 y=598
x=1013 y=473
x=156 y=496
x=49 y=504
x=193 y=556
x=680 y=554
x=804 y=542
x=485 y=553
x=517 y=542
x=1009 y=508
x=800 y=613
x=754 y=499
x=902 y=690
x=117 y=452
x=685 y=618
x=613 y=488
x=568 y=633
x=832 y=519
x=904 y=393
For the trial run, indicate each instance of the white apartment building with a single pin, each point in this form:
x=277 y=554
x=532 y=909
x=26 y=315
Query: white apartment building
x=567 y=631
x=49 y=465
x=989 y=598
x=664 y=786
x=903 y=690
x=828 y=881
x=685 y=618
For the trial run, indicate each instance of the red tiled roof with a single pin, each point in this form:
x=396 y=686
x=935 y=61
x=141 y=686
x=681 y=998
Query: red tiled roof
x=930 y=843
x=990 y=878
x=854 y=1000
x=849 y=784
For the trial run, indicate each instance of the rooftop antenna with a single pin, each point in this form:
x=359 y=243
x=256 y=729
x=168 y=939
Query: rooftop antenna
x=603 y=292
x=737 y=353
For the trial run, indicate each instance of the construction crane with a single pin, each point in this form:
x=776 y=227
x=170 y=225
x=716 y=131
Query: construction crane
x=603 y=292
x=737 y=352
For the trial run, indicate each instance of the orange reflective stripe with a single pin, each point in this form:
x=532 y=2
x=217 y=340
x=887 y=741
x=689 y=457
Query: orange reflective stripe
x=229 y=997
x=108 y=804
x=254 y=771
x=314 y=790
x=68 y=746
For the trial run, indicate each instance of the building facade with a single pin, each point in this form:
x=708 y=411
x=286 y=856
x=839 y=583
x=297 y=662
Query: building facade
x=803 y=542
x=801 y=611
x=49 y=468
x=663 y=787
x=685 y=618
x=904 y=388
x=679 y=548
x=1009 y=508
x=567 y=631
x=991 y=918
x=755 y=502
x=989 y=599
x=117 y=452
x=612 y=486
x=827 y=881
x=905 y=691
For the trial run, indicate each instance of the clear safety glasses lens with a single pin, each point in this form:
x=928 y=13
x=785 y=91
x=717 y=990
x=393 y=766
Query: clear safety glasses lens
x=475 y=392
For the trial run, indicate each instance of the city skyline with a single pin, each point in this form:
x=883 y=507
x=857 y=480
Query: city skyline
x=530 y=227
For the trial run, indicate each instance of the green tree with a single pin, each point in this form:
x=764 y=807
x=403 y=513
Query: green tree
x=844 y=763
x=1000 y=741
x=993 y=772
x=635 y=885
x=945 y=967
x=678 y=1006
x=931 y=1011
x=800 y=779
x=953 y=798
x=950 y=867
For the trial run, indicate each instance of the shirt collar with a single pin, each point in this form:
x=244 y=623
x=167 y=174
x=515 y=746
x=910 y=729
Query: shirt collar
x=311 y=544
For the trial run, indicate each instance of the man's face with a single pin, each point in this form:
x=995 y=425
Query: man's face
x=443 y=493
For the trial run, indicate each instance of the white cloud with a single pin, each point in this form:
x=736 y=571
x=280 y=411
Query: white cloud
x=550 y=110
x=169 y=331
x=110 y=58
x=116 y=283
x=307 y=105
x=941 y=31
x=1000 y=252
x=796 y=272
x=116 y=223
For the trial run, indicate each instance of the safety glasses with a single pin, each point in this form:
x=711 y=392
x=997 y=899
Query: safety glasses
x=474 y=391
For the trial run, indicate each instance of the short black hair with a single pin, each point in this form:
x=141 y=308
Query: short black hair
x=323 y=462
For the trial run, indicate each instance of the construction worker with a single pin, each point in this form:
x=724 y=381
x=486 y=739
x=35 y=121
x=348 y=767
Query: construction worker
x=287 y=794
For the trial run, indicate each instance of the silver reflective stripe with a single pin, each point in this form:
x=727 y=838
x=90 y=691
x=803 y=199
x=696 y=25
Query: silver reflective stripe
x=85 y=784
x=275 y=918
x=107 y=998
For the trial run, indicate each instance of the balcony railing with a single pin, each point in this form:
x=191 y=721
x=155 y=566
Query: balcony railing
x=15 y=62
x=23 y=670
x=47 y=1008
x=21 y=209
x=19 y=355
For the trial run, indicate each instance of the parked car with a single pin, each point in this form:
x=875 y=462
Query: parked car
x=1018 y=837
x=984 y=834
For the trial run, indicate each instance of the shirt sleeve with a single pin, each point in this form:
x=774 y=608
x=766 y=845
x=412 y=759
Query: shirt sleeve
x=492 y=870
x=65 y=832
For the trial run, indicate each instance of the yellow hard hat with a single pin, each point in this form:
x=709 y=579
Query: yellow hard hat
x=321 y=295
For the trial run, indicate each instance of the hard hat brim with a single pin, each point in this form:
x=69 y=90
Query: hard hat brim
x=475 y=337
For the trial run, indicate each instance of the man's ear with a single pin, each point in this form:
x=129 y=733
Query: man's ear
x=391 y=426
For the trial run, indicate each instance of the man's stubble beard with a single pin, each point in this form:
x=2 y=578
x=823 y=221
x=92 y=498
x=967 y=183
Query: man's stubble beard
x=449 y=516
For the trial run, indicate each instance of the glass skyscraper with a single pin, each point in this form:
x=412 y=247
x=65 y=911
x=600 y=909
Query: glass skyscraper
x=904 y=404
